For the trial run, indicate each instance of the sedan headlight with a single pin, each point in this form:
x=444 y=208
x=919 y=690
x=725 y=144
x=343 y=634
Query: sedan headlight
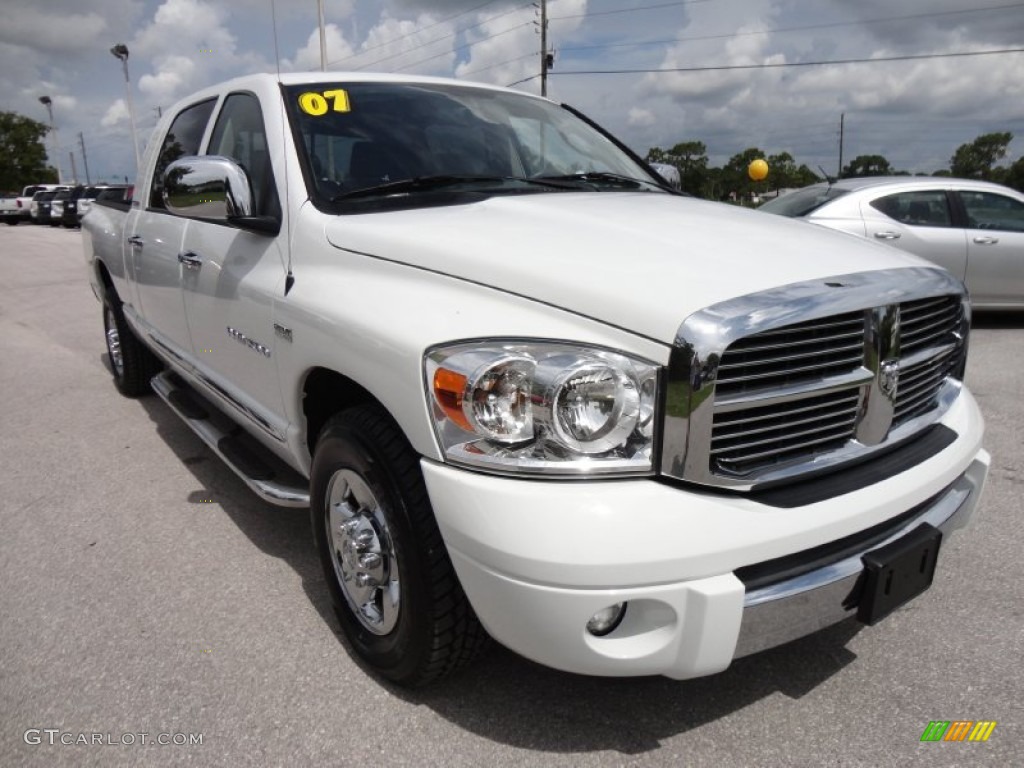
x=543 y=407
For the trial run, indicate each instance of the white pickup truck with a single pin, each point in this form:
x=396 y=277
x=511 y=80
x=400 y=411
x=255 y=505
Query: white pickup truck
x=525 y=387
x=17 y=208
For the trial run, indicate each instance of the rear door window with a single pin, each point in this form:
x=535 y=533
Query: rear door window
x=986 y=210
x=922 y=208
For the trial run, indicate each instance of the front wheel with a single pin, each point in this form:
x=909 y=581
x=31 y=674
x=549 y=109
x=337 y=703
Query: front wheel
x=133 y=365
x=392 y=583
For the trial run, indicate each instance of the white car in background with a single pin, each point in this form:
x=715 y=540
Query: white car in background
x=975 y=229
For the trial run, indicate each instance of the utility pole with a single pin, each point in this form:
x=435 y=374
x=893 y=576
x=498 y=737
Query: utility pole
x=842 y=120
x=545 y=57
x=323 y=37
x=74 y=169
x=85 y=159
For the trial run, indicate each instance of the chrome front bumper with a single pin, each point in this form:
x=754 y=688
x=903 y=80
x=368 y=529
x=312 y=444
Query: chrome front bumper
x=786 y=610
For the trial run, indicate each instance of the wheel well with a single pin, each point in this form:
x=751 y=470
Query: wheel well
x=106 y=279
x=324 y=393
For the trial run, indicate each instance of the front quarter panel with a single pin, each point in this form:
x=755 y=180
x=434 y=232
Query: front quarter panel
x=372 y=320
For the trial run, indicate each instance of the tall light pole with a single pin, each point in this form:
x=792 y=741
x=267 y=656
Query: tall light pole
x=48 y=103
x=120 y=51
x=323 y=36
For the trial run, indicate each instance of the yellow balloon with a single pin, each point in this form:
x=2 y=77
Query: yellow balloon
x=758 y=170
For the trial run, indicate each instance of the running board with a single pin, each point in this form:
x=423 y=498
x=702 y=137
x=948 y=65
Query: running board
x=268 y=477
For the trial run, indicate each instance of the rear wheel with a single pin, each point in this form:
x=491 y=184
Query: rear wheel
x=133 y=365
x=392 y=583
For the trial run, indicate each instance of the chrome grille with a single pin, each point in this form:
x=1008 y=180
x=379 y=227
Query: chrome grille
x=776 y=433
x=920 y=385
x=793 y=354
x=928 y=323
x=772 y=386
x=928 y=327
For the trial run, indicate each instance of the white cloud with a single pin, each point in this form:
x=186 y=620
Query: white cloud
x=169 y=83
x=420 y=46
x=641 y=118
x=118 y=111
x=308 y=57
x=34 y=27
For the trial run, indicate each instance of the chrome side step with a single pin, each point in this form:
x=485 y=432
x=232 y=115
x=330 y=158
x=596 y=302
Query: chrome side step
x=268 y=477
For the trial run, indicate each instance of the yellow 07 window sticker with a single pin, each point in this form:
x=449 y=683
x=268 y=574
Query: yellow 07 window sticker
x=318 y=104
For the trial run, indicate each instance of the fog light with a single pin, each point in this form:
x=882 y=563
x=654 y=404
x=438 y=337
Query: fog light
x=606 y=620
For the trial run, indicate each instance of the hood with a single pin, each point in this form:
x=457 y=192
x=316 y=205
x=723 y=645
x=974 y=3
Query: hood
x=639 y=261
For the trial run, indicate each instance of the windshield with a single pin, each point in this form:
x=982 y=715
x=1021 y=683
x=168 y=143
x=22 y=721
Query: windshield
x=803 y=201
x=356 y=137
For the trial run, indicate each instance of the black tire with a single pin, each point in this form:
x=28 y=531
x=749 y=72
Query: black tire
x=132 y=363
x=368 y=498
x=11 y=222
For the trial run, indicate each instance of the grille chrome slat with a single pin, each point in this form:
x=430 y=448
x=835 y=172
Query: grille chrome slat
x=848 y=319
x=776 y=415
x=780 y=359
x=786 y=372
x=833 y=422
x=857 y=335
x=740 y=459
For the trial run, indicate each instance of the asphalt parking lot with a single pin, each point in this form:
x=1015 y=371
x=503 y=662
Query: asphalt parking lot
x=144 y=590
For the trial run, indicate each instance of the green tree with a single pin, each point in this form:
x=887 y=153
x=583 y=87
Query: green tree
x=737 y=183
x=976 y=160
x=867 y=165
x=22 y=152
x=805 y=176
x=783 y=172
x=1014 y=175
x=690 y=158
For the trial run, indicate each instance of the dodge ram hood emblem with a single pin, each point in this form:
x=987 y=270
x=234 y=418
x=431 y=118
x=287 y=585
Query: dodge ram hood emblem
x=889 y=378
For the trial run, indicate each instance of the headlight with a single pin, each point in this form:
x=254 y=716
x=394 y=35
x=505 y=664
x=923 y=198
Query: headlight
x=543 y=407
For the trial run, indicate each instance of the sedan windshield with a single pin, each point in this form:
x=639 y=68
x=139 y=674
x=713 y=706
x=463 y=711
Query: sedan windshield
x=363 y=141
x=803 y=201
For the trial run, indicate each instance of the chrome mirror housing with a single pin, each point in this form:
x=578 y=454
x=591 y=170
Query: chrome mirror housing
x=209 y=187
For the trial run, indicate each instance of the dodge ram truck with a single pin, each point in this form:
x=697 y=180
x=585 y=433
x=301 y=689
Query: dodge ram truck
x=527 y=390
x=15 y=209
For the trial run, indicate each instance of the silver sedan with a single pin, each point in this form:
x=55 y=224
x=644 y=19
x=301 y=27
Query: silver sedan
x=975 y=229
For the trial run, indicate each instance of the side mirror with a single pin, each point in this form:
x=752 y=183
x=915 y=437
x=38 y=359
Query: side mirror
x=214 y=188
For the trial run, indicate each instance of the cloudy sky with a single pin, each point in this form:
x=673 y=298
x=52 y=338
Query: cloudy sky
x=731 y=73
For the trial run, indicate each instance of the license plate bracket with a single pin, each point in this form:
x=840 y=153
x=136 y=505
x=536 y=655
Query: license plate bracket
x=898 y=572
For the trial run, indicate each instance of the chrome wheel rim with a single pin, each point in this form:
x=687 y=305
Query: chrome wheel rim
x=362 y=552
x=114 y=343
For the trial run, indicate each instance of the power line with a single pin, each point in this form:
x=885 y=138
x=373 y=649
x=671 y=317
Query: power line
x=782 y=65
x=628 y=10
x=435 y=40
x=806 y=28
x=464 y=47
x=530 y=55
x=416 y=32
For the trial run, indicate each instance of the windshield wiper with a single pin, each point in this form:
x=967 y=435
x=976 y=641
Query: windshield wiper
x=604 y=178
x=441 y=181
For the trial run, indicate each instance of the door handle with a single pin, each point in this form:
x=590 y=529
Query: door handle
x=887 y=235
x=190 y=260
x=986 y=240
x=135 y=241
